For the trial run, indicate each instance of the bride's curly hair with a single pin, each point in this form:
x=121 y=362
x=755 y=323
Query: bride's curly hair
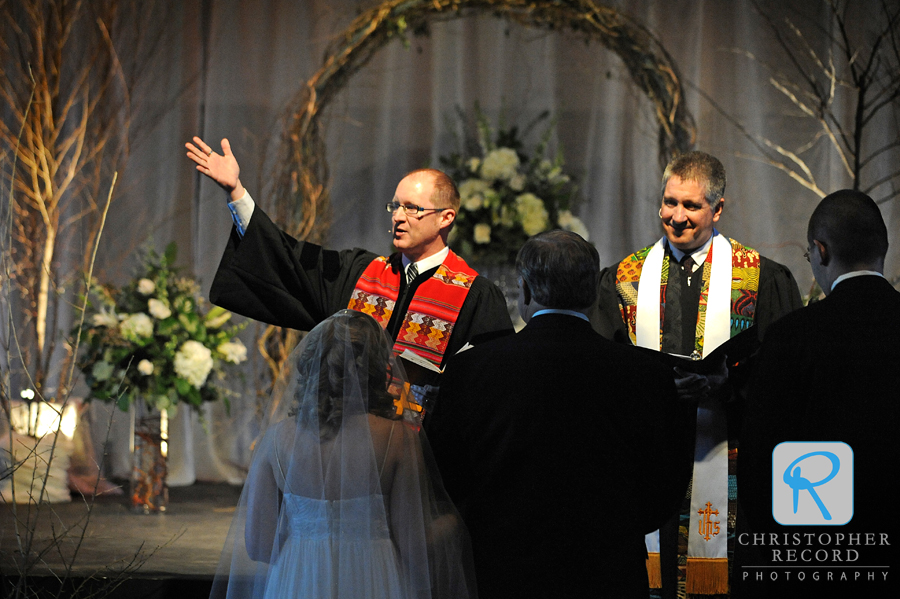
x=324 y=362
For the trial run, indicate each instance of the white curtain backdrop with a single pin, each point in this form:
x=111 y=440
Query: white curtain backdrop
x=233 y=65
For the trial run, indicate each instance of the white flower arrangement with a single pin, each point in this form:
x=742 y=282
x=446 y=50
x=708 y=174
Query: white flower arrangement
x=506 y=196
x=154 y=339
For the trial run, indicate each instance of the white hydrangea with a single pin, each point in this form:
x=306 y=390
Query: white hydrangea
x=473 y=164
x=102 y=370
x=234 y=351
x=146 y=287
x=136 y=326
x=532 y=213
x=517 y=183
x=193 y=362
x=105 y=319
x=158 y=309
x=482 y=233
x=145 y=367
x=472 y=193
x=570 y=222
x=500 y=164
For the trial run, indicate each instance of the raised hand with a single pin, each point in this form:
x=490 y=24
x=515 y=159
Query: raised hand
x=221 y=168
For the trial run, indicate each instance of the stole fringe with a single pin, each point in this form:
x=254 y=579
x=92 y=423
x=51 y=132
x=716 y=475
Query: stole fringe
x=654 y=573
x=707 y=576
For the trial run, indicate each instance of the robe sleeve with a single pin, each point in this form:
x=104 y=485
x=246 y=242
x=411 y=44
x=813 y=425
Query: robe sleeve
x=269 y=276
x=483 y=316
x=778 y=294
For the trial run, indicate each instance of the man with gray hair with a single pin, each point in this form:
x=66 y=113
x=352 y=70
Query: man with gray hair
x=687 y=294
x=827 y=373
x=554 y=442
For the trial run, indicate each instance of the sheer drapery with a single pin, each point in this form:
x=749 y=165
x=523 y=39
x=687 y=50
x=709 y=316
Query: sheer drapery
x=236 y=64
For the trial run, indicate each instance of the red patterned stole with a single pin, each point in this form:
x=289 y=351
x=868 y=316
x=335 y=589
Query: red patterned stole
x=433 y=311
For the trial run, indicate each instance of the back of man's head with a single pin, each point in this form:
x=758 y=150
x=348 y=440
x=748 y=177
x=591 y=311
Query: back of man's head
x=850 y=224
x=560 y=269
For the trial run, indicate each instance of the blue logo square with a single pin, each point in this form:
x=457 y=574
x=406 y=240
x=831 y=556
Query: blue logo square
x=812 y=483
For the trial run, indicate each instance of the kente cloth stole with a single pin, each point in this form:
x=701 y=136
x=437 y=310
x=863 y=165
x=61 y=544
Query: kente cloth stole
x=433 y=311
x=727 y=306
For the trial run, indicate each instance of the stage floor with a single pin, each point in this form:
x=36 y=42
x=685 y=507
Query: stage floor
x=184 y=543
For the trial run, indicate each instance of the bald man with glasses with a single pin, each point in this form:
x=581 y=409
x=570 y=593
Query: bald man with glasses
x=426 y=297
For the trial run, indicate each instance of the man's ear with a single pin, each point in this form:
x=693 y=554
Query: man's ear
x=448 y=215
x=824 y=254
x=526 y=293
x=719 y=209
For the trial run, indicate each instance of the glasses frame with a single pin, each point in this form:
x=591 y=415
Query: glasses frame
x=408 y=209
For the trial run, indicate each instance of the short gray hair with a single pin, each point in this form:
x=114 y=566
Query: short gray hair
x=702 y=168
x=561 y=269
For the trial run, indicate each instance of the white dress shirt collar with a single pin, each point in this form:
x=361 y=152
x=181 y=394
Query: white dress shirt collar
x=432 y=261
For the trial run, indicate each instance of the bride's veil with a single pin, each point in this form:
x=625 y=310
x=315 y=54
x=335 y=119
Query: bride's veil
x=342 y=498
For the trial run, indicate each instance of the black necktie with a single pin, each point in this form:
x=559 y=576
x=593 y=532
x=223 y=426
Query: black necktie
x=687 y=268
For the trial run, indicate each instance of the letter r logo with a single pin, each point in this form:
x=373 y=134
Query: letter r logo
x=812 y=483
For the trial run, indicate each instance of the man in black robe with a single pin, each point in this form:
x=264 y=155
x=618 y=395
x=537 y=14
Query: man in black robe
x=556 y=444
x=267 y=275
x=829 y=372
x=653 y=299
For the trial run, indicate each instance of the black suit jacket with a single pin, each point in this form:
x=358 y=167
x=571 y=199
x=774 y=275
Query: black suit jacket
x=558 y=448
x=828 y=372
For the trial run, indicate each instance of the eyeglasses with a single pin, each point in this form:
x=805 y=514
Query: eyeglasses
x=408 y=209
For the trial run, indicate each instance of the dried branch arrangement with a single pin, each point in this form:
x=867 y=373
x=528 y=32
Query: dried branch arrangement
x=842 y=80
x=69 y=74
x=301 y=183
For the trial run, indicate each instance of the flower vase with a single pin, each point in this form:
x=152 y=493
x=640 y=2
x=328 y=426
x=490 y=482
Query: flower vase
x=149 y=491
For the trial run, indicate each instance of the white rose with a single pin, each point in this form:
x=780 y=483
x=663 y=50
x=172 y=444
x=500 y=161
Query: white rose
x=145 y=367
x=136 y=326
x=105 y=319
x=482 y=233
x=193 y=362
x=500 y=164
x=532 y=214
x=234 y=351
x=158 y=309
x=570 y=222
x=102 y=371
x=146 y=286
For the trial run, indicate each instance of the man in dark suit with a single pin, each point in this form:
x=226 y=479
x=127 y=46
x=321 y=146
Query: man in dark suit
x=552 y=442
x=829 y=372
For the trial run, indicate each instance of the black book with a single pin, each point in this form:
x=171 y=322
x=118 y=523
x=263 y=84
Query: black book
x=736 y=350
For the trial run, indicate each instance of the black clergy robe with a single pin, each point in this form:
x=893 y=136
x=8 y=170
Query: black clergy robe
x=777 y=295
x=269 y=276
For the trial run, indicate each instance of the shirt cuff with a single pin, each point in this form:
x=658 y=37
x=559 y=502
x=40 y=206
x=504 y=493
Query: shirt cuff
x=241 y=211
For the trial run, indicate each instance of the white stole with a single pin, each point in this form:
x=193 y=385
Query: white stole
x=710 y=477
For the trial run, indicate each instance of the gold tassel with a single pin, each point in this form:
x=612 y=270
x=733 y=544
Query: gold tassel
x=707 y=576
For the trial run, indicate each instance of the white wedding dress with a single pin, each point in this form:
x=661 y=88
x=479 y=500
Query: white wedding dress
x=323 y=534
